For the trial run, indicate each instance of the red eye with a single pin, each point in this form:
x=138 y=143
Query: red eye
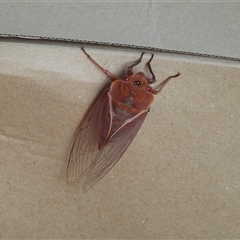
x=149 y=88
x=125 y=78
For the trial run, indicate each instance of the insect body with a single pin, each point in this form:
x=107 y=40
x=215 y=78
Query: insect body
x=111 y=124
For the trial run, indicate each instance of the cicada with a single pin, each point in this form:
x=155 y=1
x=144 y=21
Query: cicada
x=111 y=123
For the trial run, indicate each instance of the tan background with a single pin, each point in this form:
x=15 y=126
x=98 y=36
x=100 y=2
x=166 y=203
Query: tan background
x=178 y=179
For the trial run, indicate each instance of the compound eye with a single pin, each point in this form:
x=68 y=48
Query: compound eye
x=125 y=78
x=138 y=83
x=149 y=89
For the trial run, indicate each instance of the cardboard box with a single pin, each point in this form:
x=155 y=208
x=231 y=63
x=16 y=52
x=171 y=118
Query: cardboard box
x=178 y=179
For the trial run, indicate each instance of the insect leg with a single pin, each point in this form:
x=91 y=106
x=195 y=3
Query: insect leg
x=153 y=79
x=129 y=69
x=109 y=74
x=162 y=84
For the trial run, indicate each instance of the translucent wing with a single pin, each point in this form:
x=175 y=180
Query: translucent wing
x=85 y=146
x=114 y=148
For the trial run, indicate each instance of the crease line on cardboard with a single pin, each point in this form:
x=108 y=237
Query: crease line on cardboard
x=30 y=37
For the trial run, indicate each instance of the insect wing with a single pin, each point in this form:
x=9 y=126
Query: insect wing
x=114 y=148
x=85 y=146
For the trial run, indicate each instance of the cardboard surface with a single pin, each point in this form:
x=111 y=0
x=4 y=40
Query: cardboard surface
x=198 y=27
x=178 y=179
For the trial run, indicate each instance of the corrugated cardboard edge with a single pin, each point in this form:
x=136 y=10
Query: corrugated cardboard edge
x=115 y=45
